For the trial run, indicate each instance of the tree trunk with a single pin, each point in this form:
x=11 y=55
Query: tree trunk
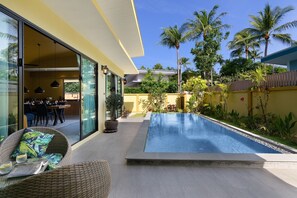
x=246 y=52
x=266 y=49
x=211 y=77
x=266 y=46
x=178 y=72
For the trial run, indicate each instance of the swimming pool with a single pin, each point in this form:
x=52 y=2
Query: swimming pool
x=190 y=133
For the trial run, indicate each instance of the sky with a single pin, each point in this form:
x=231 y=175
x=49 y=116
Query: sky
x=153 y=15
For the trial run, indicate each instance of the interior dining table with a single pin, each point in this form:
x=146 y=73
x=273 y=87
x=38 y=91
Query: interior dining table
x=57 y=113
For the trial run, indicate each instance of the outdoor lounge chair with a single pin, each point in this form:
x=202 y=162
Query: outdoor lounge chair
x=59 y=144
x=83 y=180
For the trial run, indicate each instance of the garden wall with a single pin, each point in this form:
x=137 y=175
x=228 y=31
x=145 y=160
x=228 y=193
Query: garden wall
x=132 y=102
x=282 y=101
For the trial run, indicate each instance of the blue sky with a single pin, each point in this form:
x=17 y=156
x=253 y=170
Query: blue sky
x=153 y=15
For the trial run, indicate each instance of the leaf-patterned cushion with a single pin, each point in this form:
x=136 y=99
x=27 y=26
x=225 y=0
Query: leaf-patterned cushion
x=33 y=143
x=53 y=159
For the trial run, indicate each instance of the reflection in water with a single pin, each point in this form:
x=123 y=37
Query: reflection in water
x=192 y=134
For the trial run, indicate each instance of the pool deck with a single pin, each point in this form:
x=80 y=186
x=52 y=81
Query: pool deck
x=168 y=180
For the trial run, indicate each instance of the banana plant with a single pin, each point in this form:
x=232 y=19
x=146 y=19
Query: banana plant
x=285 y=126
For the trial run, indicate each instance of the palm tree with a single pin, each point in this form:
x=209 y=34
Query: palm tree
x=204 y=23
x=267 y=25
x=172 y=37
x=10 y=53
x=241 y=43
x=184 y=62
x=255 y=54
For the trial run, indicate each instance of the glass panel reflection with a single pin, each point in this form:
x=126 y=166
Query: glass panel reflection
x=8 y=75
x=88 y=99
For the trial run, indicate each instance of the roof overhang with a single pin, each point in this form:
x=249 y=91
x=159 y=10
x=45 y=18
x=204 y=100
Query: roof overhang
x=282 y=57
x=111 y=26
x=122 y=16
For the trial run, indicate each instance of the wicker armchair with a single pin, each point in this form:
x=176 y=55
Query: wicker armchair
x=83 y=180
x=59 y=144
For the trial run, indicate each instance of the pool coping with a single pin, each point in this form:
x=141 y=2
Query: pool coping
x=136 y=154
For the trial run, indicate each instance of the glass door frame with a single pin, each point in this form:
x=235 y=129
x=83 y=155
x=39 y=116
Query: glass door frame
x=96 y=95
x=21 y=23
x=20 y=64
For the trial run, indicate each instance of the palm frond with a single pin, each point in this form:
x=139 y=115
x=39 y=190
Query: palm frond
x=172 y=37
x=284 y=38
x=292 y=24
x=9 y=37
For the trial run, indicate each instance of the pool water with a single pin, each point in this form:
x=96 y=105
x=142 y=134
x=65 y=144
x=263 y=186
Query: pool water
x=190 y=133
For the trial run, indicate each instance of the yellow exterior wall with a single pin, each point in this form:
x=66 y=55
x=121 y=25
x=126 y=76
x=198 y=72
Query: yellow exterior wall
x=51 y=23
x=171 y=99
x=132 y=102
x=281 y=101
x=236 y=103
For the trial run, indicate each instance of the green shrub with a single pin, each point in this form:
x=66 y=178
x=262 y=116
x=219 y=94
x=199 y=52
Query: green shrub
x=233 y=116
x=284 y=126
x=133 y=90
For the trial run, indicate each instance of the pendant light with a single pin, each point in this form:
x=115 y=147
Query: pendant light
x=39 y=90
x=55 y=83
x=26 y=90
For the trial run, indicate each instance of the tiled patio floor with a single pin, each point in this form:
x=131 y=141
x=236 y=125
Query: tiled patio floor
x=153 y=181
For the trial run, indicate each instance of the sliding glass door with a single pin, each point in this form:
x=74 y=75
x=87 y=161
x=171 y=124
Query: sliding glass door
x=89 y=97
x=15 y=52
x=9 y=49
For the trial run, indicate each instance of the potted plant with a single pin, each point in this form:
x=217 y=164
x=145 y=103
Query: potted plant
x=113 y=103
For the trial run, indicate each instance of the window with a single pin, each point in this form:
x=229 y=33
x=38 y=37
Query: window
x=71 y=89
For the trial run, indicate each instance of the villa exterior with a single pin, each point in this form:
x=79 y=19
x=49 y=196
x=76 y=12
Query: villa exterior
x=134 y=80
x=286 y=57
x=50 y=40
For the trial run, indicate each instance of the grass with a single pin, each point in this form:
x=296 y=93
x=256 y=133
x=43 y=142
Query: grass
x=274 y=138
x=277 y=139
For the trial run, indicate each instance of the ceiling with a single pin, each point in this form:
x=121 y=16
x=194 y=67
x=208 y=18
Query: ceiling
x=48 y=55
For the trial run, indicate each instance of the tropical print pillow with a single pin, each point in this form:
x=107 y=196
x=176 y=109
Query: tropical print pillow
x=53 y=159
x=33 y=143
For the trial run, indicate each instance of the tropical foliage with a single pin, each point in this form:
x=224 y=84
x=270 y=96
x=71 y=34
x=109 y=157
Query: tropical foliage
x=172 y=37
x=244 y=43
x=156 y=87
x=206 y=54
x=236 y=66
x=208 y=28
x=285 y=126
x=204 y=23
x=198 y=87
x=158 y=66
x=267 y=25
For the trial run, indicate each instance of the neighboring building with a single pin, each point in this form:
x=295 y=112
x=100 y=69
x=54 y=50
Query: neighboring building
x=134 y=80
x=65 y=41
x=286 y=57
